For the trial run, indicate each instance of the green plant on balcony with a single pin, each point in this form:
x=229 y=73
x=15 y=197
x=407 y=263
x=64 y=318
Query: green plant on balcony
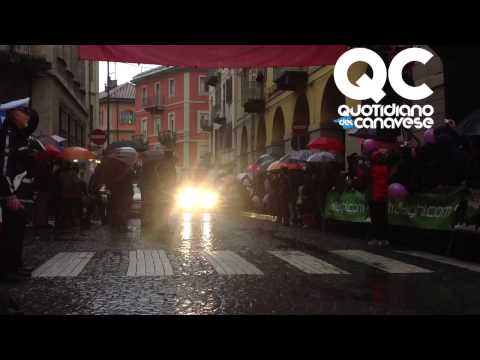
x=167 y=138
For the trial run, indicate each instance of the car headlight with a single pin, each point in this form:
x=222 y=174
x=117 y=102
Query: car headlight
x=191 y=198
x=187 y=198
x=209 y=200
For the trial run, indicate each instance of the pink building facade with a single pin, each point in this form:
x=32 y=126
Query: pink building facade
x=172 y=100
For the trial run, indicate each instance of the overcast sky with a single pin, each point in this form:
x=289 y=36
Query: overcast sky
x=124 y=72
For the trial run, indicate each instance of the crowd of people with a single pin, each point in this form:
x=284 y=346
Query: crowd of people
x=48 y=192
x=298 y=197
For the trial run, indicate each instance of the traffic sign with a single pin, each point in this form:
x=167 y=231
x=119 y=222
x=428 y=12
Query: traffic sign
x=98 y=136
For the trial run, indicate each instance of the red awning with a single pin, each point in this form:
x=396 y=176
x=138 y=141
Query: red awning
x=216 y=56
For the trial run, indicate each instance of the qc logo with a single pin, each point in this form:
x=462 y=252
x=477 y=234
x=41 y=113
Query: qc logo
x=345 y=121
x=372 y=87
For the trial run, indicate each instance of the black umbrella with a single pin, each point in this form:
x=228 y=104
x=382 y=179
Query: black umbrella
x=470 y=126
x=118 y=144
x=373 y=134
x=110 y=171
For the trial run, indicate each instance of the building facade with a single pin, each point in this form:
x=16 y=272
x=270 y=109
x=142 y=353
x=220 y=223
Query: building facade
x=170 y=106
x=223 y=110
x=122 y=112
x=277 y=110
x=62 y=88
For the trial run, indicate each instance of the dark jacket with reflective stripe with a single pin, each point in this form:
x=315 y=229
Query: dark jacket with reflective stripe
x=17 y=158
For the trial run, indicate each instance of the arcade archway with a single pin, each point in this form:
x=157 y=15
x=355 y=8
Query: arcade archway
x=332 y=99
x=261 y=137
x=278 y=133
x=301 y=122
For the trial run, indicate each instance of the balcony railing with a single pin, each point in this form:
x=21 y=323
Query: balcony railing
x=253 y=96
x=206 y=124
x=213 y=77
x=168 y=138
x=154 y=103
x=23 y=49
x=140 y=138
x=290 y=78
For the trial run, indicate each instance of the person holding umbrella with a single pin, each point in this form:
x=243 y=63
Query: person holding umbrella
x=17 y=150
x=118 y=175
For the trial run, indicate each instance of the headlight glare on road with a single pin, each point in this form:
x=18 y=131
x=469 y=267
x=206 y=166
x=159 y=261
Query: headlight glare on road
x=191 y=198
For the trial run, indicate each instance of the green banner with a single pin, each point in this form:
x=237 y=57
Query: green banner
x=347 y=206
x=435 y=211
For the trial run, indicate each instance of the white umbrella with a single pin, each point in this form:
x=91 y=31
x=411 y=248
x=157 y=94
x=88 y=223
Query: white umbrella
x=298 y=155
x=321 y=157
x=14 y=104
x=52 y=140
x=11 y=105
x=127 y=155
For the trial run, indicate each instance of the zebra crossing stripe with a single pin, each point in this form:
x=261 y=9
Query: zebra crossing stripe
x=64 y=264
x=307 y=263
x=380 y=262
x=441 y=259
x=228 y=263
x=149 y=263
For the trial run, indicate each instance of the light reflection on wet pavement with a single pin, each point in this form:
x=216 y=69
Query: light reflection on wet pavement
x=196 y=288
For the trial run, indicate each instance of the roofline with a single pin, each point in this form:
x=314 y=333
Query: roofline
x=116 y=87
x=161 y=69
x=114 y=99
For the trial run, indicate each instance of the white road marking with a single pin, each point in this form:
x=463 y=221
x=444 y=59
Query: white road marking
x=149 y=263
x=132 y=264
x=85 y=259
x=307 y=263
x=380 y=262
x=140 y=263
x=149 y=267
x=46 y=266
x=64 y=264
x=445 y=260
x=157 y=263
x=229 y=263
x=167 y=268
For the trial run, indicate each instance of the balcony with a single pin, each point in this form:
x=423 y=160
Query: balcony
x=22 y=55
x=23 y=50
x=168 y=139
x=205 y=124
x=217 y=116
x=155 y=103
x=253 y=97
x=290 y=79
x=213 y=78
x=140 y=139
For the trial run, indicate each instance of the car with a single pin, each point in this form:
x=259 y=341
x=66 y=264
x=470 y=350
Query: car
x=197 y=199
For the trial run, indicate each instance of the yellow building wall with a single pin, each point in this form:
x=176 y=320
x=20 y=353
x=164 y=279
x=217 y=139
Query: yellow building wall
x=315 y=91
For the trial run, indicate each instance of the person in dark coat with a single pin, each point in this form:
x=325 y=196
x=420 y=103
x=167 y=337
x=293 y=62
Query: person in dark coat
x=284 y=194
x=17 y=153
x=121 y=201
x=157 y=182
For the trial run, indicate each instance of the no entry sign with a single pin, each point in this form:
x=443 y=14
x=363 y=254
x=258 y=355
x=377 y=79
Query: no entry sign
x=98 y=137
